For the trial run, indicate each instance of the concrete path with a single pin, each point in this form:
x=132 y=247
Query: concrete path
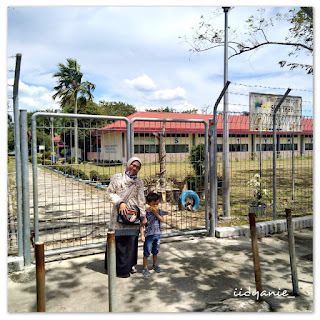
x=198 y=271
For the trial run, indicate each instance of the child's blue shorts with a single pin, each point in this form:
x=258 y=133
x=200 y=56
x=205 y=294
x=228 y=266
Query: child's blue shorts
x=151 y=244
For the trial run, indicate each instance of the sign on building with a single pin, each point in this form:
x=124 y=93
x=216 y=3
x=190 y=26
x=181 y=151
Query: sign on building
x=289 y=115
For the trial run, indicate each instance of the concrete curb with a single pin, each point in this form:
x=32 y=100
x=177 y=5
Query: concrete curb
x=15 y=264
x=265 y=228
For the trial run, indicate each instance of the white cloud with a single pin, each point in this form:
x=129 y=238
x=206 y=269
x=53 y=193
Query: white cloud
x=33 y=97
x=185 y=106
x=142 y=83
x=169 y=94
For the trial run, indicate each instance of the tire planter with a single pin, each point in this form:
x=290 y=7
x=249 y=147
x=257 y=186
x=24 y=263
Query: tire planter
x=190 y=194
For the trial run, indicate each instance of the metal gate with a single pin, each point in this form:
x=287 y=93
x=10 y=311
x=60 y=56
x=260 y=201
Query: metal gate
x=174 y=153
x=70 y=211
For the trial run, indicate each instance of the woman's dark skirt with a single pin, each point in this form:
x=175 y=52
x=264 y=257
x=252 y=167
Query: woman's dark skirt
x=126 y=254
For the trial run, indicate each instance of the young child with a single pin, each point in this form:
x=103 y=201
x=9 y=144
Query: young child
x=151 y=236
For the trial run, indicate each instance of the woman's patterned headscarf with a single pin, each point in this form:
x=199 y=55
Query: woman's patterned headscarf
x=127 y=172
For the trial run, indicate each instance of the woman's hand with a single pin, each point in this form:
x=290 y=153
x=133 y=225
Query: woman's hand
x=123 y=208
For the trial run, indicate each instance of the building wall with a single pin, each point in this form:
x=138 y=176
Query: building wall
x=113 y=146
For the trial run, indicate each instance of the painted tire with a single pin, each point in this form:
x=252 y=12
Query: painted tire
x=190 y=194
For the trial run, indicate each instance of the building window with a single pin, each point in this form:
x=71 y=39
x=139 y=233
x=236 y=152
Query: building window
x=264 y=147
x=141 y=148
x=308 y=146
x=283 y=147
x=143 y=134
x=177 y=148
x=238 y=147
x=287 y=146
x=219 y=147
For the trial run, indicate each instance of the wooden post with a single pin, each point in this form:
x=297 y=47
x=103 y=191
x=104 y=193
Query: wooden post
x=255 y=252
x=40 y=277
x=111 y=251
x=292 y=252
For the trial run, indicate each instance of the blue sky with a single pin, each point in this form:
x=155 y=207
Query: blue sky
x=135 y=55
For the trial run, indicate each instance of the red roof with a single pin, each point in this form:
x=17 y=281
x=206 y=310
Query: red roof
x=237 y=123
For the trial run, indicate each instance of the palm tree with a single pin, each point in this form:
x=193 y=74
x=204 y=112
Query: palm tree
x=69 y=87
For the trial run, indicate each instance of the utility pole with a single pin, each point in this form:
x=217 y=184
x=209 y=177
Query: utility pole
x=226 y=184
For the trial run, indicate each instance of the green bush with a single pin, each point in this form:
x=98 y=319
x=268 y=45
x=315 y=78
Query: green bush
x=196 y=157
x=47 y=162
x=39 y=159
x=104 y=178
x=46 y=155
x=195 y=183
x=71 y=160
x=94 y=175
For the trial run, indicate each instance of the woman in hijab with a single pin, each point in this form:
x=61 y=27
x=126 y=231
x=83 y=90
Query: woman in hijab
x=124 y=191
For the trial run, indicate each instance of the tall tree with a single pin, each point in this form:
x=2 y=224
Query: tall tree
x=70 y=86
x=119 y=109
x=299 y=38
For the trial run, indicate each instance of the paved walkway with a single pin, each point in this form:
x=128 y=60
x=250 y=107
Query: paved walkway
x=198 y=271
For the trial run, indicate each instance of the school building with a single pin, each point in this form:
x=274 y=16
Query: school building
x=181 y=136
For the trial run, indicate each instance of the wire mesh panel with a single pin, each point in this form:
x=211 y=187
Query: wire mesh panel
x=72 y=209
x=174 y=156
x=251 y=168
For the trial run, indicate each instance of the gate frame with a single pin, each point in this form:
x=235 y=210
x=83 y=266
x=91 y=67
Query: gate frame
x=206 y=152
x=35 y=169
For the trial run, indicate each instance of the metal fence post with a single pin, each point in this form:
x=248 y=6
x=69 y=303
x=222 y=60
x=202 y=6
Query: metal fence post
x=225 y=155
x=40 y=277
x=17 y=152
x=255 y=252
x=25 y=187
x=111 y=251
x=213 y=166
x=274 y=158
x=292 y=252
x=292 y=171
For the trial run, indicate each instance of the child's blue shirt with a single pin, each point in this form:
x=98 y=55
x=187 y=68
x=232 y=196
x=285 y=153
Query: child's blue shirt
x=153 y=224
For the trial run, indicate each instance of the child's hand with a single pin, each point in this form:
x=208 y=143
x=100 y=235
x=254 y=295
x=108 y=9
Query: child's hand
x=143 y=239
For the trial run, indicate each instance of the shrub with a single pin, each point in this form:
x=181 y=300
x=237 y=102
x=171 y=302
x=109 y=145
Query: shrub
x=47 y=162
x=71 y=160
x=104 y=178
x=195 y=183
x=94 y=175
x=196 y=158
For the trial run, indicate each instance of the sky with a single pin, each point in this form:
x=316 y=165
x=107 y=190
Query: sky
x=138 y=55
